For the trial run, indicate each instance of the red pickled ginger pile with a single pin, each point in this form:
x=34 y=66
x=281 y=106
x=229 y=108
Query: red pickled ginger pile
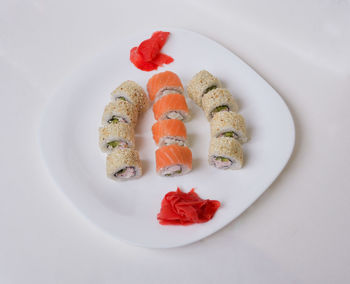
x=179 y=208
x=147 y=55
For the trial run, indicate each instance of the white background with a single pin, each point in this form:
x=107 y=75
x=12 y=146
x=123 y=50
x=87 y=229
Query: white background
x=297 y=232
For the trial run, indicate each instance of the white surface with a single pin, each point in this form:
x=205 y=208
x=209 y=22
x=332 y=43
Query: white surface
x=297 y=232
x=128 y=210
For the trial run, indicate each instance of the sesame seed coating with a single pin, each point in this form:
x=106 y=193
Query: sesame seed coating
x=199 y=84
x=225 y=121
x=121 y=158
x=228 y=148
x=120 y=108
x=216 y=98
x=134 y=93
x=116 y=132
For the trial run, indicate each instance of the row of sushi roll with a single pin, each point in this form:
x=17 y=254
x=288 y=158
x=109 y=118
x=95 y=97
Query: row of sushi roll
x=227 y=127
x=117 y=134
x=173 y=157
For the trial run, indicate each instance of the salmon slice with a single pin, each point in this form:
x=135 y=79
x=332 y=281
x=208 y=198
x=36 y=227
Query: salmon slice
x=171 y=106
x=164 y=81
x=169 y=128
x=172 y=156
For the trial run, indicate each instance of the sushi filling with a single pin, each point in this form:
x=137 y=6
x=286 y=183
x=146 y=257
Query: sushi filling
x=116 y=119
x=229 y=134
x=219 y=108
x=115 y=143
x=121 y=98
x=127 y=172
x=207 y=90
x=222 y=162
x=174 y=115
x=167 y=91
x=172 y=171
x=172 y=140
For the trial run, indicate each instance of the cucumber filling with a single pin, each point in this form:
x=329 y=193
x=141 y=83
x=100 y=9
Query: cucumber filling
x=116 y=119
x=112 y=144
x=207 y=90
x=218 y=109
x=229 y=134
x=115 y=143
x=222 y=159
x=121 y=98
x=172 y=170
x=222 y=162
x=174 y=173
x=113 y=120
x=120 y=172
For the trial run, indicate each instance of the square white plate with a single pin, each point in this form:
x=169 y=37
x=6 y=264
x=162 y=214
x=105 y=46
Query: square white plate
x=128 y=210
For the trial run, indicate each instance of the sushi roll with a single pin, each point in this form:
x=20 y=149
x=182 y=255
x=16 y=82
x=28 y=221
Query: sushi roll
x=200 y=84
x=228 y=124
x=123 y=163
x=169 y=131
x=120 y=111
x=116 y=135
x=171 y=106
x=225 y=153
x=133 y=93
x=164 y=83
x=173 y=160
x=218 y=100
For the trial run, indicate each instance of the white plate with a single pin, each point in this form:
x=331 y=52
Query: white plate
x=128 y=210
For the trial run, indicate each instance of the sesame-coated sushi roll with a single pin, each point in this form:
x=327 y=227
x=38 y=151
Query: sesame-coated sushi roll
x=123 y=163
x=116 y=135
x=218 y=100
x=164 y=83
x=225 y=153
x=228 y=124
x=133 y=93
x=173 y=160
x=171 y=106
x=169 y=131
x=120 y=111
x=200 y=84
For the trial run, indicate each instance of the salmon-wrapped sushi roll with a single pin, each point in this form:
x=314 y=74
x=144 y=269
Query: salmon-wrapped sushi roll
x=200 y=84
x=169 y=131
x=133 y=93
x=218 y=100
x=228 y=124
x=225 y=153
x=116 y=135
x=171 y=106
x=123 y=163
x=164 y=83
x=173 y=160
x=120 y=111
